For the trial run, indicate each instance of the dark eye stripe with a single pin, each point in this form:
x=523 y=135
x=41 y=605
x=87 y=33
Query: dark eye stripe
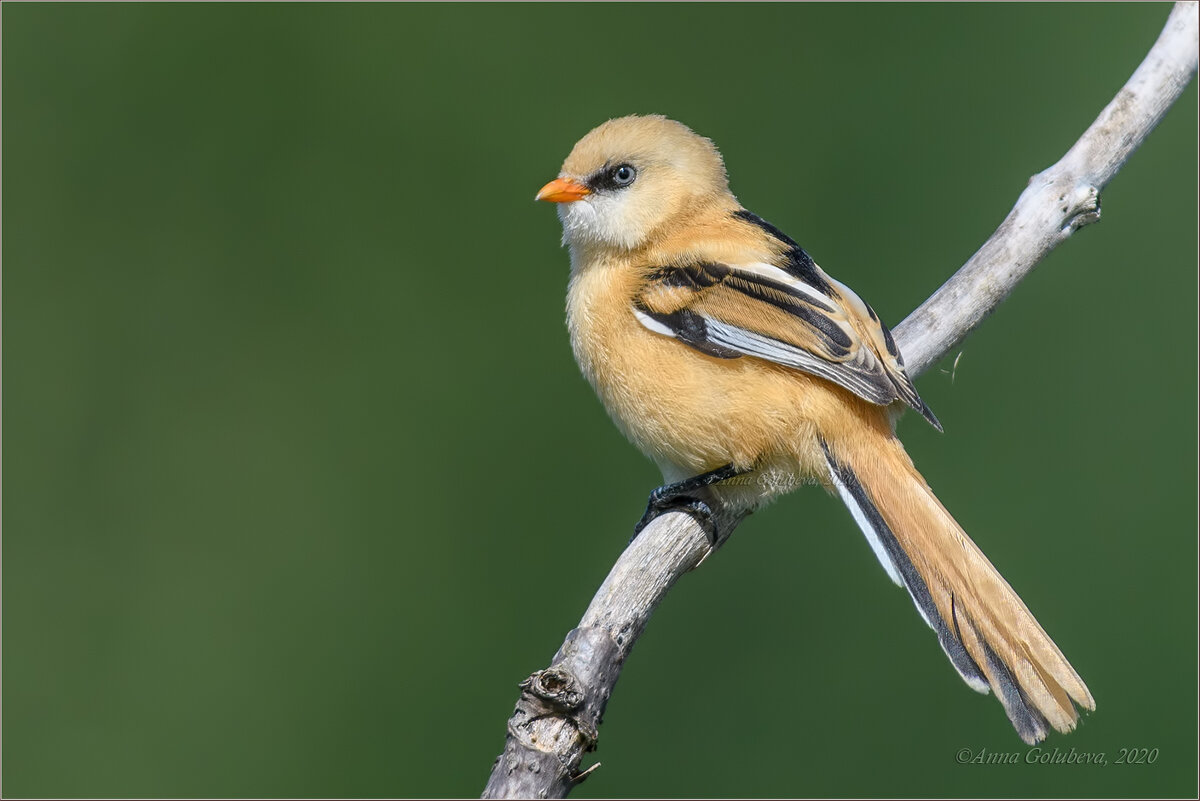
x=605 y=179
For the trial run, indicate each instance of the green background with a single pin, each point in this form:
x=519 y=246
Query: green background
x=301 y=478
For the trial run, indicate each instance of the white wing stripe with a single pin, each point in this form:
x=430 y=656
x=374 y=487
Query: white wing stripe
x=773 y=273
x=860 y=307
x=652 y=324
x=753 y=344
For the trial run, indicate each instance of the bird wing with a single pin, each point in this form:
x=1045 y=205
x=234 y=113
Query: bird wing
x=808 y=322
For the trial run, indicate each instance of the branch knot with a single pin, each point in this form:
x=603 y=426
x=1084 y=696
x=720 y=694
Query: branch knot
x=553 y=693
x=1082 y=207
x=555 y=689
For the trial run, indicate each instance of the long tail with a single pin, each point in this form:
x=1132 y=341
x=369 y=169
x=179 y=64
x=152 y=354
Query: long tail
x=989 y=634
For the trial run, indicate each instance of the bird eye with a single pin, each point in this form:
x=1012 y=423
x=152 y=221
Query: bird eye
x=623 y=175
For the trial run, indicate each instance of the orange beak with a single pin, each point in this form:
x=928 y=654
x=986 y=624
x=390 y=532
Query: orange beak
x=563 y=190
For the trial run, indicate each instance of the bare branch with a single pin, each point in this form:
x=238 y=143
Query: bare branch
x=1057 y=200
x=556 y=718
x=549 y=731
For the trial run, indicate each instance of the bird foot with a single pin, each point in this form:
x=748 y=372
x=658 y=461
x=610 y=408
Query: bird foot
x=663 y=502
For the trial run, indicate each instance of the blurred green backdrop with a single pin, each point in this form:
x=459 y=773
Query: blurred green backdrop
x=302 y=478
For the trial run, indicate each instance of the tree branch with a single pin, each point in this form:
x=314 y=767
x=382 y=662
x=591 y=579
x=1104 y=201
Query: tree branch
x=557 y=715
x=1057 y=201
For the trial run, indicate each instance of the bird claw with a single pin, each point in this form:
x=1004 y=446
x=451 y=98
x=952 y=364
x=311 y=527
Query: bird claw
x=662 y=502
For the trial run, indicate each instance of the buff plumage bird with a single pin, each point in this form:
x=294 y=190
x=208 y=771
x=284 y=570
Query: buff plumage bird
x=722 y=350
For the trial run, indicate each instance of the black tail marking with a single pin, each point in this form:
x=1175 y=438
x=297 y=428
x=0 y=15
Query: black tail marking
x=1029 y=723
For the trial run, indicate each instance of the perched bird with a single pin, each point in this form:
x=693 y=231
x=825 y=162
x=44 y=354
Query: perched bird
x=722 y=350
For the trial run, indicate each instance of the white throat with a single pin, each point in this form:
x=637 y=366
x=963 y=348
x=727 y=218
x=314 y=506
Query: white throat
x=602 y=220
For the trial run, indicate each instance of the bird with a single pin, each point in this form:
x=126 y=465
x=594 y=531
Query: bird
x=743 y=370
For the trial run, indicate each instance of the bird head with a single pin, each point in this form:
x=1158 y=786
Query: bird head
x=627 y=178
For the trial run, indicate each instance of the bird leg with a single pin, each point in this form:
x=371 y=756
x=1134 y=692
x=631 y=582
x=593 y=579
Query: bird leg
x=677 y=497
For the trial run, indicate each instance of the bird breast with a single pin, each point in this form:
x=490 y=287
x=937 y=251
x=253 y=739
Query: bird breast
x=686 y=410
